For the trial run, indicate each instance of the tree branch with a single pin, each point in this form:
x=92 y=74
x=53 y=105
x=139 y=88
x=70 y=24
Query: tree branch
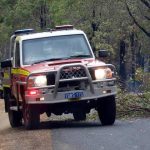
x=146 y=3
x=135 y=21
x=148 y=18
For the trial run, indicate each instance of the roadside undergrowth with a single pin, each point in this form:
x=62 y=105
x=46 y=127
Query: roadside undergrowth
x=131 y=105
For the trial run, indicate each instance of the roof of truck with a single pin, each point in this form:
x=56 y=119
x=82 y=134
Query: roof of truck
x=48 y=34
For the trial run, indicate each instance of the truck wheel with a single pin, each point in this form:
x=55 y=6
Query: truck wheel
x=31 y=118
x=6 y=99
x=78 y=116
x=15 y=117
x=107 y=110
x=1 y=94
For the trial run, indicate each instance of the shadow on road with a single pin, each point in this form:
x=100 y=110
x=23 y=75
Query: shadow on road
x=67 y=124
x=62 y=124
x=57 y=124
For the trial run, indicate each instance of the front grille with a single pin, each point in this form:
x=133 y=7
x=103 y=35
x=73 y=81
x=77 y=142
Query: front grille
x=69 y=73
x=72 y=72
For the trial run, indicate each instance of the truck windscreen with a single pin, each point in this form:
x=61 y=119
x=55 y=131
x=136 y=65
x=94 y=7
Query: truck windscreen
x=55 y=47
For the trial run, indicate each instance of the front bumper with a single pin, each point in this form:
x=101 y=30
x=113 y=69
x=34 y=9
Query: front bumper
x=51 y=94
x=48 y=97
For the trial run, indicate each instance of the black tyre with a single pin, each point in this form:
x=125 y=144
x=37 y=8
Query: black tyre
x=107 y=110
x=1 y=94
x=15 y=117
x=79 y=116
x=31 y=118
x=6 y=99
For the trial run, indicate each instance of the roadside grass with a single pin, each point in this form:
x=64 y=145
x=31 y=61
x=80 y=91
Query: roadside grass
x=132 y=105
x=129 y=106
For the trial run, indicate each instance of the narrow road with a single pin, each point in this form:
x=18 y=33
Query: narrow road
x=124 y=135
x=55 y=134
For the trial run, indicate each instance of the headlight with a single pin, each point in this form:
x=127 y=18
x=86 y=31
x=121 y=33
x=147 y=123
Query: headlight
x=40 y=81
x=103 y=74
x=37 y=81
x=100 y=74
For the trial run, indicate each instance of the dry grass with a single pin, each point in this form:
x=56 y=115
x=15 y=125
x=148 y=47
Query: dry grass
x=133 y=105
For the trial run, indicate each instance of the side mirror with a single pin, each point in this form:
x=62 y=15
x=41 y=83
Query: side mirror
x=102 y=53
x=6 y=63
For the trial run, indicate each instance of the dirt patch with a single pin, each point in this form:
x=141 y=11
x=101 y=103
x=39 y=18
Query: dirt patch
x=21 y=139
x=1 y=106
x=15 y=139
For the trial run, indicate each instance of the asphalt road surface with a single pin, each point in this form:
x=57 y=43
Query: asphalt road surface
x=70 y=135
x=124 y=135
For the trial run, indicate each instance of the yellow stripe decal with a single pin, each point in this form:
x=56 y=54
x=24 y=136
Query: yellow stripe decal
x=1 y=88
x=5 y=85
x=20 y=71
x=6 y=75
x=14 y=71
x=24 y=72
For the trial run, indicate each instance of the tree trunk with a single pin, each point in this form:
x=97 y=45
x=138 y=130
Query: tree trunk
x=43 y=15
x=146 y=80
x=122 y=68
x=134 y=51
x=132 y=40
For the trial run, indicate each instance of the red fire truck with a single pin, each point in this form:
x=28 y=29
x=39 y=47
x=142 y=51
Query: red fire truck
x=56 y=72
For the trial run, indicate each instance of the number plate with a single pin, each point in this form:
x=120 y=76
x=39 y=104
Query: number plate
x=74 y=95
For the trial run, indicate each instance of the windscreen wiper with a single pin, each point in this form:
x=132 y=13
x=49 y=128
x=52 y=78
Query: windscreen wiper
x=51 y=59
x=78 y=56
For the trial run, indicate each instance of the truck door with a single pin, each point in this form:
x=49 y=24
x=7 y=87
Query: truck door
x=15 y=67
